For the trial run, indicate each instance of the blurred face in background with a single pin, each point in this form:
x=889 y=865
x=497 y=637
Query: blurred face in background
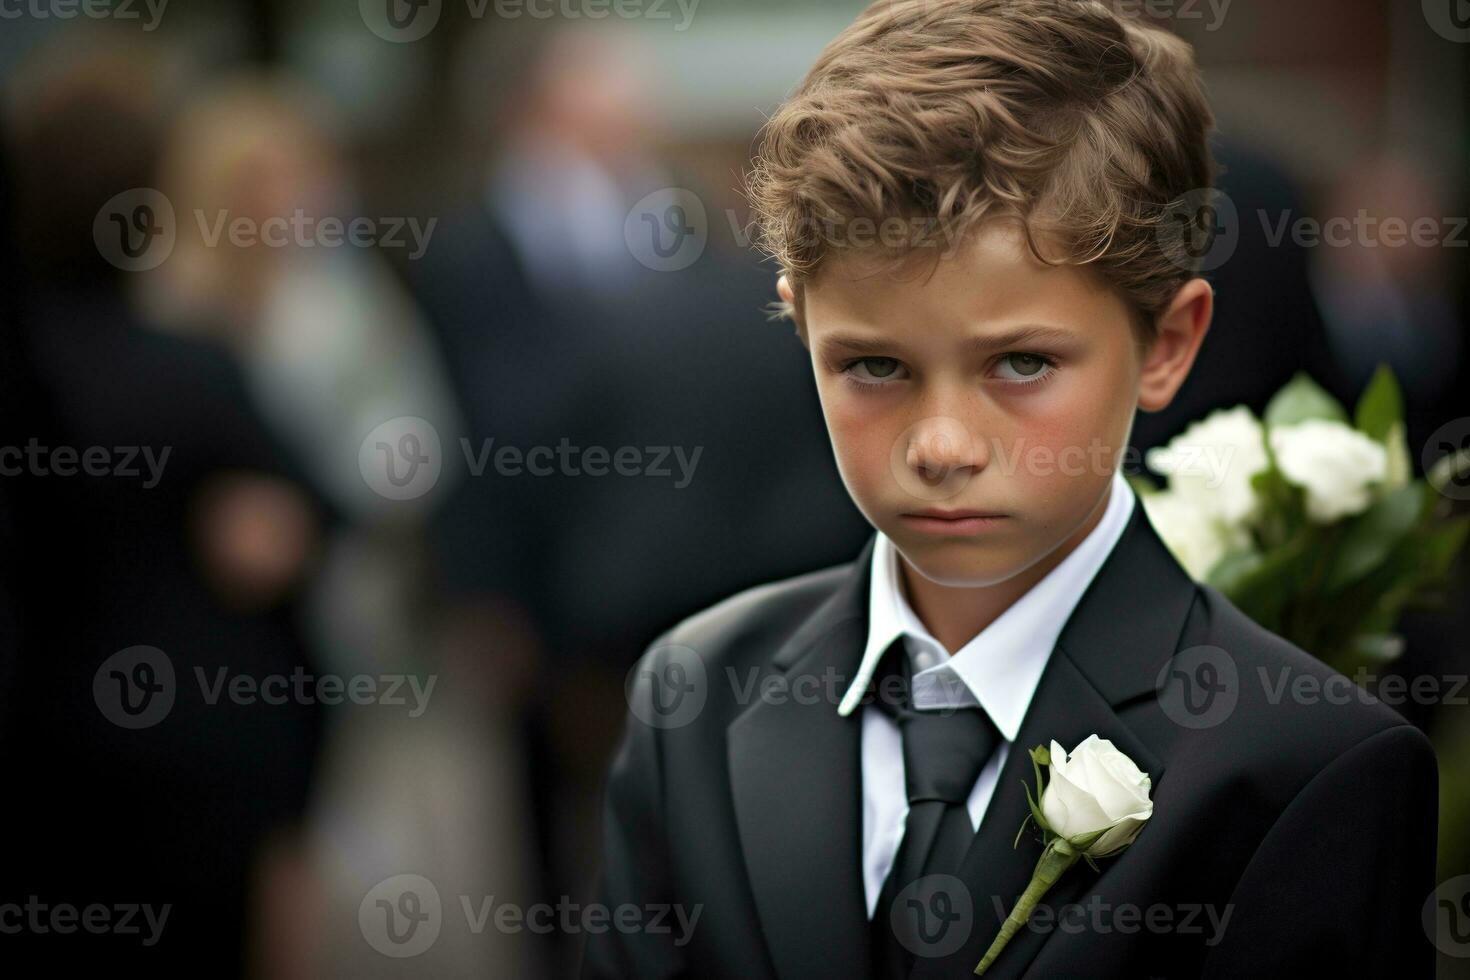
x=246 y=155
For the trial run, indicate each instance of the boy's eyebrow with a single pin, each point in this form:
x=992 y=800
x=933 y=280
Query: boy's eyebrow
x=855 y=344
x=1022 y=335
x=1019 y=336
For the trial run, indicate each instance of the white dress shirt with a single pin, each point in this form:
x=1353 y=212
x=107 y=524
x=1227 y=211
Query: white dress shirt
x=999 y=668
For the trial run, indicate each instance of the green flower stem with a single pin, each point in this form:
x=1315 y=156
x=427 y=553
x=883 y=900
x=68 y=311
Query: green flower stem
x=1055 y=860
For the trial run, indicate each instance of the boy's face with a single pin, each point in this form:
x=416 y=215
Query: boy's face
x=977 y=415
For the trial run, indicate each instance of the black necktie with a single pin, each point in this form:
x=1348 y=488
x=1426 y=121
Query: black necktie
x=943 y=753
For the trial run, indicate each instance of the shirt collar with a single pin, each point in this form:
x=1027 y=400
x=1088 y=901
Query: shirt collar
x=1001 y=665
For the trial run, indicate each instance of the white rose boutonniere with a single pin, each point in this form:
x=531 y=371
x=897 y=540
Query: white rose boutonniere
x=1094 y=805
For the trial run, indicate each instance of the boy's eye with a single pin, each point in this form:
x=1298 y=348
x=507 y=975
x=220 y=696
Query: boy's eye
x=1023 y=366
x=873 y=368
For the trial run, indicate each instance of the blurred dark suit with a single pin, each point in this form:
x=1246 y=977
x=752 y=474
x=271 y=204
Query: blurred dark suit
x=602 y=563
x=174 y=813
x=1267 y=325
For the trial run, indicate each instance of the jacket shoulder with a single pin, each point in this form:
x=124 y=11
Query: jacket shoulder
x=752 y=625
x=1315 y=709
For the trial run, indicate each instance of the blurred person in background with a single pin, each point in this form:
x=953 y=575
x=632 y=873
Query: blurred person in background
x=562 y=331
x=331 y=347
x=1389 y=293
x=199 y=555
x=1270 y=323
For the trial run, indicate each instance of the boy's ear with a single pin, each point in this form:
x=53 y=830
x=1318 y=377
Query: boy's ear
x=788 y=296
x=783 y=289
x=1181 y=329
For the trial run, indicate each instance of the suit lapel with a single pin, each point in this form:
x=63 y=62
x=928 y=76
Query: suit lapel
x=796 y=771
x=796 y=782
x=1110 y=652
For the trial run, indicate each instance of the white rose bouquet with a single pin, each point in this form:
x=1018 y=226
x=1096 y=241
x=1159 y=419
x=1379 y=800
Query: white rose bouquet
x=1309 y=521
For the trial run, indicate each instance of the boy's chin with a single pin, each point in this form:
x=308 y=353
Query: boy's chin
x=965 y=564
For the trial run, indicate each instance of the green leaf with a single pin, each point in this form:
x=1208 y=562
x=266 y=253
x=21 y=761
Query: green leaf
x=1368 y=538
x=1400 y=467
x=1381 y=405
x=1264 y=592
x=1441 y=546
x=1228 y=572
x=1302 y=398
x=1283 y=505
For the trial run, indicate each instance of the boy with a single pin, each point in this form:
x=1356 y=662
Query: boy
x=978 y=371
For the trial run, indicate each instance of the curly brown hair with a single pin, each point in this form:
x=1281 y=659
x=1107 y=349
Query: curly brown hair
x=925 y=116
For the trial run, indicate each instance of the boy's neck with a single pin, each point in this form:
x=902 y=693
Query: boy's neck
x=956 y=614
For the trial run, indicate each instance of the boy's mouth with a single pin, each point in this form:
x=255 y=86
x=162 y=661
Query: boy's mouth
x=935 y=520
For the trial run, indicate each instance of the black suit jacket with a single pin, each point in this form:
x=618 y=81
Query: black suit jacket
x=1308 y=819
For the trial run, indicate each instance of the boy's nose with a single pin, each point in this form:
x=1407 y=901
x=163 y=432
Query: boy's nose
x=936 y=453
x=939 y=456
